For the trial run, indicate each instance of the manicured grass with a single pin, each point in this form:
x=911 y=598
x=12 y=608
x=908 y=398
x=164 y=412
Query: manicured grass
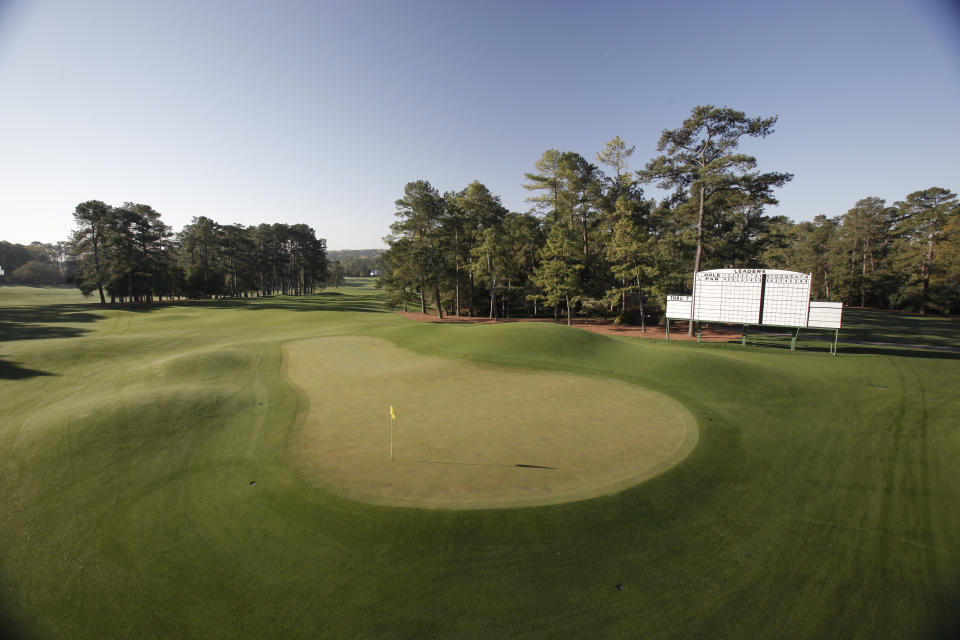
x=470 y=436
x=822 y=500
x=23 y=295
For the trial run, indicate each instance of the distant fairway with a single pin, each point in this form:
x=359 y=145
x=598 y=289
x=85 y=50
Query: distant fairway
x=24 y=295
x=471 y=436
x=153 y=486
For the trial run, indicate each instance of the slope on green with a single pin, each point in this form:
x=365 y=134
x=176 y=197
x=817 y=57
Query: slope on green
x=823 y=498
x=472 y=436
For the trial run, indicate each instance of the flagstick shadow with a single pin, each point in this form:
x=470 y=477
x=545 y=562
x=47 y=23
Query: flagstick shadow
x=475 y=464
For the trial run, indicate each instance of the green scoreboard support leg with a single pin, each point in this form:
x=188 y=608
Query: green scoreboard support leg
x=668 y=329
x=793 y=340
x=743 y=338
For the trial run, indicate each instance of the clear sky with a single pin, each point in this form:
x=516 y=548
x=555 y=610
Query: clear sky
x=320 y=112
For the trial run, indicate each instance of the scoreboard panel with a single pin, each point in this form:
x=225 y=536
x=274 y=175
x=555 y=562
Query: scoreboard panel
x=754 y=297
x=786 y=298
x=728 y=295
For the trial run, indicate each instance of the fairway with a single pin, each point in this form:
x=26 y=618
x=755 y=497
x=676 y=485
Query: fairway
x=471 y=436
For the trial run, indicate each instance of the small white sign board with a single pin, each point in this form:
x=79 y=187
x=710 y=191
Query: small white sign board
x=678 y=307
x=826 y=315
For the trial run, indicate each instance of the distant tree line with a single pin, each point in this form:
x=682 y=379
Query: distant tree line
x=357 y=263
x=36 y=263
x=593 y=244
x=128 y=254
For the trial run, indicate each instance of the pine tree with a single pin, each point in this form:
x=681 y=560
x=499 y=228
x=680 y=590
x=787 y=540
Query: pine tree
x=700 y=159
x=924 y=218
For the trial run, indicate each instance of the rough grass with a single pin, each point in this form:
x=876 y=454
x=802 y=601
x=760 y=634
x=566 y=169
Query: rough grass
x=823 y=499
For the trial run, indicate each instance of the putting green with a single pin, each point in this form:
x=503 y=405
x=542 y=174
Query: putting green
x=470 y=436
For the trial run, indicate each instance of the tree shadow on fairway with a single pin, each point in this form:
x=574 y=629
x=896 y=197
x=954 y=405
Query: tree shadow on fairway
x=780 y=342
x=888 y=326
x=8 y=630
x=328 y=301
x=38 y=323
x=871 y=333
x=906 y=351
x=366 y=302
x=13 y=371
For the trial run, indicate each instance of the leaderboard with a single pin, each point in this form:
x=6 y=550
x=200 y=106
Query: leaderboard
x=754 y=297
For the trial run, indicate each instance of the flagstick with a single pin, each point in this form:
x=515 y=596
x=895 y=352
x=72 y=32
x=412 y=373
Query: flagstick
x=391 y=439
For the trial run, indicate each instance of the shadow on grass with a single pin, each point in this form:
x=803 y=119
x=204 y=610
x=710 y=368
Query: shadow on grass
x=13 y=371
x=474 y=464
x=368 y=302
x=886 y=326
x=8 y=631
x=59 y=321
x=813 y=345
x=37 y=323
x=903 y=352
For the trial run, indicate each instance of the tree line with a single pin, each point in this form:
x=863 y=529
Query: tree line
x=594 y=244
x=128 y=254
x=357 y=263
x=36 y=263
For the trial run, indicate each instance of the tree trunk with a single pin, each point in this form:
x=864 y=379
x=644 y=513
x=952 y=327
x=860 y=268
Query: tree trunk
x=643 y=319
x=436 y=295
x=696 y=264
x=493 y=291
x=586 y=241
x=506 y=302
x=456 y=309
x=423 y=303
x=470 y=295
x=567 y=298
x=925 y=284
x=96 y=265
x=863 y=280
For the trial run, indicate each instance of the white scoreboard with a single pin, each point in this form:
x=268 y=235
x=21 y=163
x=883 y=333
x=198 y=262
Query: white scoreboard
x=754 y=296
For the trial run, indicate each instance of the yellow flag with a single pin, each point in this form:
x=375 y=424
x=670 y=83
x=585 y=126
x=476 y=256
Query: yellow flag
x=393 y=416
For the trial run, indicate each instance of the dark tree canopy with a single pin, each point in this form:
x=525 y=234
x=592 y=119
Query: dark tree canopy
x=128 y=253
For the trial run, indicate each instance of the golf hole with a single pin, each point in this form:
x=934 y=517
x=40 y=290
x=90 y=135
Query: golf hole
x=468 y=436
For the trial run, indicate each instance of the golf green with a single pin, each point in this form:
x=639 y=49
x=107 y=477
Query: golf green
x=472 y=436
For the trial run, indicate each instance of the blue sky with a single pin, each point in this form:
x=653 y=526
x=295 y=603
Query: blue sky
x=320 y=112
